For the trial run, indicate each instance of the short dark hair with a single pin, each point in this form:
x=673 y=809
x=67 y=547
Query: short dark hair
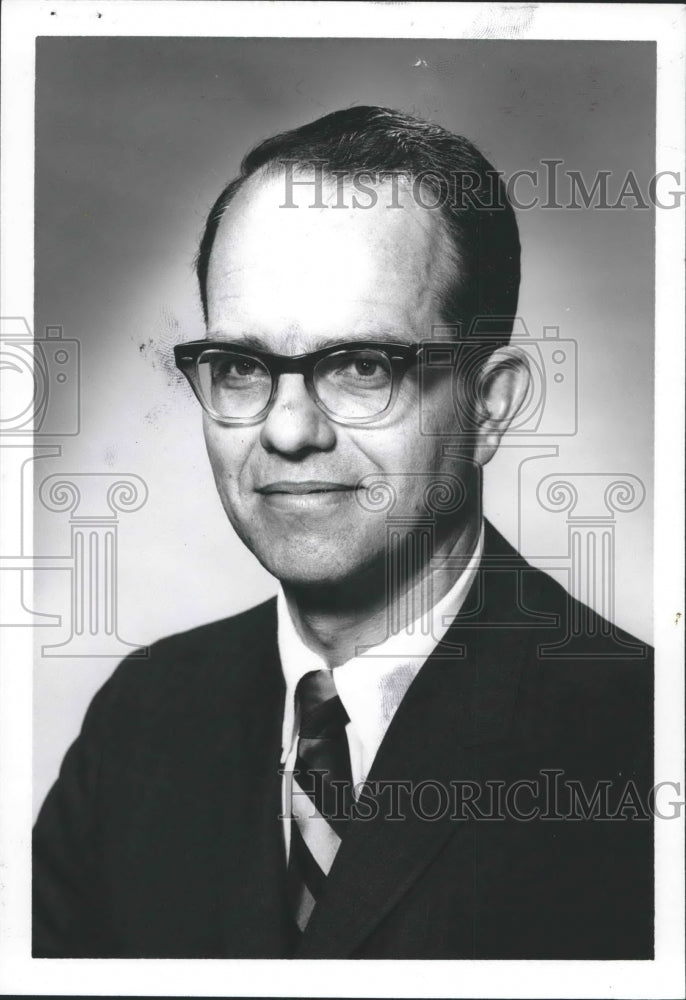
x=469 y=194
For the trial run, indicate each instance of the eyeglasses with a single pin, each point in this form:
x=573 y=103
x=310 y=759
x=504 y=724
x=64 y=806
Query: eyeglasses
x=353 y=383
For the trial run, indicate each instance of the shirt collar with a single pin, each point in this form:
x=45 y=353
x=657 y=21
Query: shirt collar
x=372 y=684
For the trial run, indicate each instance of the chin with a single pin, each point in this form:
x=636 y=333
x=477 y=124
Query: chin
x=307 y=573
x=323 y=566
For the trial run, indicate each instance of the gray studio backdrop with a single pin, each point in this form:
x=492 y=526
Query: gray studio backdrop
x=134 y=139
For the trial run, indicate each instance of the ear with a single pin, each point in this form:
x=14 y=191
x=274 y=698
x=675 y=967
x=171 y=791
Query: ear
x=502 y=387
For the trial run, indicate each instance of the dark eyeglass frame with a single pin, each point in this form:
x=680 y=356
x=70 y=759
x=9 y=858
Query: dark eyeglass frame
x=401 y=357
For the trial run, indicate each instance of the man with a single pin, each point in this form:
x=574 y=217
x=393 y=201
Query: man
x=378 y=763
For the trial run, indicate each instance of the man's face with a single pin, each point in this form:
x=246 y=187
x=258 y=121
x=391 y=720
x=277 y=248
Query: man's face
x=294 y=280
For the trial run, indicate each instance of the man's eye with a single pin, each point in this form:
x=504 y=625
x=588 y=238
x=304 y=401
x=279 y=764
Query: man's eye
x=366 y=367
x=235 y=368
x=362 y=369
x=244 y=367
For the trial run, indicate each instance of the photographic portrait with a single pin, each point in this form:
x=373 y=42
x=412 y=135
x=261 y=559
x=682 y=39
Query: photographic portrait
x=341 y=456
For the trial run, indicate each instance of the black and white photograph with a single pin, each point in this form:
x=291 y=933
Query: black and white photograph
x=342 y=461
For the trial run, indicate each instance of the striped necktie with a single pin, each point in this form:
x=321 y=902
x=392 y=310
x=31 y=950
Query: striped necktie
x=321 y=791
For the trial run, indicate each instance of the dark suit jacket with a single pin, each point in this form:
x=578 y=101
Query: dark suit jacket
x=162 y=838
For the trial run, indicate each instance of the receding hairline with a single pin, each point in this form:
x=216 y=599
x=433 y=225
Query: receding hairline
x=483 y=231
x=443 y=258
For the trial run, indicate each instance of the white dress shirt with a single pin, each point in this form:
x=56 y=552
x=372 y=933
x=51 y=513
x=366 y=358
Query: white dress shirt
x=371 y=685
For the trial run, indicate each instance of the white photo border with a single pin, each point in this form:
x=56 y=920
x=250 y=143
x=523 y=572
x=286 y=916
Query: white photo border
x=24 y=20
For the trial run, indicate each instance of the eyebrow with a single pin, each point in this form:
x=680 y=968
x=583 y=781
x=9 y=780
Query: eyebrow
x=257 y=343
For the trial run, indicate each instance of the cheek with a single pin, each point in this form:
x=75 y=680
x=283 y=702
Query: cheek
x=409 y=462
x=228 y=449
x=439 y=409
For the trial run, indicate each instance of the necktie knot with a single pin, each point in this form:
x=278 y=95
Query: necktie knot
x=322 y=715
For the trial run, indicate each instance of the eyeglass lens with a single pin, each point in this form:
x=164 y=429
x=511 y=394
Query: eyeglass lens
x=234 y=385
x=351 y=384
x=354 y=384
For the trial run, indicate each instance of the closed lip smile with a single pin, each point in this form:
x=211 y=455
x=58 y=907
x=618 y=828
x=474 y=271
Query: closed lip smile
x=304 y=486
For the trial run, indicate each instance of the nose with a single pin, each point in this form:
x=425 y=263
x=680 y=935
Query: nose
x=295 y=423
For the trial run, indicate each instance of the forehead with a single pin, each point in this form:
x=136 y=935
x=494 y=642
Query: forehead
x=328 y=272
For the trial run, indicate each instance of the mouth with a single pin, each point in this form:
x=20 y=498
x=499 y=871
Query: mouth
x=304 y=488
x=306 y=496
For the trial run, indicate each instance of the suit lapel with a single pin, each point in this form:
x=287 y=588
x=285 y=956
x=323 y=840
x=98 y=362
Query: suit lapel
x=255 y=912
x=458 y=711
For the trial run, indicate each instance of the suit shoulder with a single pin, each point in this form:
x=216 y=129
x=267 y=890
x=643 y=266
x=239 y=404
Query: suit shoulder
x=234 y=632
x=207 y=658
x=591 y=681
x=545 y=606
x=187 y=690
x=587 y=634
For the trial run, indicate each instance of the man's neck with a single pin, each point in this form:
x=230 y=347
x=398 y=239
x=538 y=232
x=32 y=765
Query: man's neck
x=335 y=621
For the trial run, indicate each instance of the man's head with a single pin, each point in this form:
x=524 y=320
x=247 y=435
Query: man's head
x=295 y=258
